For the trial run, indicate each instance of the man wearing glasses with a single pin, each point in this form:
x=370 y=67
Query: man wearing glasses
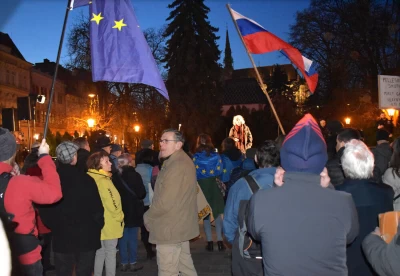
x=172 y=217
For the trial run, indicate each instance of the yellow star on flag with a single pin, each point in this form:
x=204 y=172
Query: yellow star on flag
x=212 y=172
x=218 y=168
x=97 y=18
x=224 y=170
x=203 y=171
x=119 y=24
x=194 y=159
x=197 y=166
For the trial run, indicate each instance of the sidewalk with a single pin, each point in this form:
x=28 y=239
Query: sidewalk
x=206 y=263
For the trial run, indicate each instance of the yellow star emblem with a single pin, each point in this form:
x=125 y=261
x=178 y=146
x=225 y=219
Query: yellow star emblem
x=224 y=170
x=218 y=168
x=220 y=161
x=194 y=159
x=97 y=18
x=203 y=171
x=119 y=24
x=212 y=172
x=197 y=166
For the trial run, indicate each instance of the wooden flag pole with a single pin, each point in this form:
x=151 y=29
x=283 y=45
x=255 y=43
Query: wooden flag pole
x=56 y=70
x=259 y=79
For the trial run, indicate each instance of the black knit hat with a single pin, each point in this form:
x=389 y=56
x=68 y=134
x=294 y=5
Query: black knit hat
x=8 y=144
x=382 y=134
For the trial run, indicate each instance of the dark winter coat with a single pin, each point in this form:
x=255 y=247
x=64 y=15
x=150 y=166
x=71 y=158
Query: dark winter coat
x=132 y=205
x=77 y=219
x=370 y=199
x=303 y=227
x=383 y=257
x=83 y=156
x=335 y=170
x=382 y=154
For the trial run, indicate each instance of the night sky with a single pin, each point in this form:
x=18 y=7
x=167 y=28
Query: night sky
x=35 y=25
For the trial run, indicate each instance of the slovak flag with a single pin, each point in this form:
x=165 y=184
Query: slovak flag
x=259 y=41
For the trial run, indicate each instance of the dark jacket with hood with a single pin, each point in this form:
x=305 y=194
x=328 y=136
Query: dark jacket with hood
x=371 y=199
x=303 y=227
x=132 y=205
x=77 y=219
x=335 y=170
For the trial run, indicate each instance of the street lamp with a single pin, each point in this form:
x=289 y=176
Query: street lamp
x=36 y=136
x=91 y=95
x=137 y=128
x=390 y=112
x=347 y=121
x=91 y=123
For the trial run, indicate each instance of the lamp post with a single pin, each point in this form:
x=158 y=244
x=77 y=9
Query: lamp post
x=347 y=120
x=137 y=129
x=390 y=113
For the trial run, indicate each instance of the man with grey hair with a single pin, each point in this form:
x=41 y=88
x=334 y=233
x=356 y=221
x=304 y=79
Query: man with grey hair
x=370 y=199
x=241 y=134
x=172 y=218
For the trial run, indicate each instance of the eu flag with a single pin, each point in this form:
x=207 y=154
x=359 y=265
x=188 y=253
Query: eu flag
x=119 y=50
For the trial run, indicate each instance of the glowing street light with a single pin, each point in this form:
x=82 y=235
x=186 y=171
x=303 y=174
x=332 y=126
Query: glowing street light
x=347 y=121
x=91 y=123
x=390 y=112
x=36 y=136
x=136 y=128
x=91 y=95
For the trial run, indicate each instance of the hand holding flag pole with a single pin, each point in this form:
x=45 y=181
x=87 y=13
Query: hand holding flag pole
x=259 y=79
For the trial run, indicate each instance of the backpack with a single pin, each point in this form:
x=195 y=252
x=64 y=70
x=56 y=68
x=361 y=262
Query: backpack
x=247 y=247
x=236 y=174
x=20 y=243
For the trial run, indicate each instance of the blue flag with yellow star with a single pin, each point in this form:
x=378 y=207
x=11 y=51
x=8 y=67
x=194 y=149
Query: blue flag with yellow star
x=207 y=165
x=119 y=50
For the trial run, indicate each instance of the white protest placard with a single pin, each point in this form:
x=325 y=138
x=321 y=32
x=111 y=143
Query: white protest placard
x=389 y=91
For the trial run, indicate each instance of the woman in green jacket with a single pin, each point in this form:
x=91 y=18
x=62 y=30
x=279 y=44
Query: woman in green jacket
x=99 y=167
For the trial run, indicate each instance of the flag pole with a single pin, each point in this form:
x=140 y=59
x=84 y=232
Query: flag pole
x=259 y=79
x=56 y=69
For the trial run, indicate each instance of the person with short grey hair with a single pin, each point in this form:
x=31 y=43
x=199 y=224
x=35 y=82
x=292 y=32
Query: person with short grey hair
x=370 y=198
x=172 y=217
x=357 y=160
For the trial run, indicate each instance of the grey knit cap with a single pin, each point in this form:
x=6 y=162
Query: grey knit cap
x=8 y=144
x=66 y=152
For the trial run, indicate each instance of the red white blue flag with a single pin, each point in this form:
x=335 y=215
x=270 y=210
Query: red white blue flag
x=259 y=41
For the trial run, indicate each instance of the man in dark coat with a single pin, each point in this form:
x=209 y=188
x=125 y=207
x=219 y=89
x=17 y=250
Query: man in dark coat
x=302 y=224
x=83 y=153
x=370 y=198
x=382 y=154
x=334 y=165
x=76 y=221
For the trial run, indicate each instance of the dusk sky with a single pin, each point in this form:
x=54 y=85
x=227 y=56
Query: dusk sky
x=35 y=25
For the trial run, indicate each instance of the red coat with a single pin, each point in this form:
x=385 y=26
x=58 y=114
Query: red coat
x=36 y=171
x=22 y=191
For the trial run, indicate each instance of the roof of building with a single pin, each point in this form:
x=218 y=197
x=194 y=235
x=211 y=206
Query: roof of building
x=243 y=91
x=5 y=40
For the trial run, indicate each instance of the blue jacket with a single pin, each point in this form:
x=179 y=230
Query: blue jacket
x=145 y=172
x=241 y=191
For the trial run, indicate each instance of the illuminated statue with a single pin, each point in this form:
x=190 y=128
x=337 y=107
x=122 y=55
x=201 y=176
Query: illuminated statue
x=241 y=134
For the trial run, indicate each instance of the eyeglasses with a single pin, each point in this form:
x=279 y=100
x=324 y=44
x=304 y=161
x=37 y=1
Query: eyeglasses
x=166 y=141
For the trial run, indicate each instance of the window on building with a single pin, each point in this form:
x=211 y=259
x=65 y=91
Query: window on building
x=60 y=99
x=8 y=77
x=13 y=78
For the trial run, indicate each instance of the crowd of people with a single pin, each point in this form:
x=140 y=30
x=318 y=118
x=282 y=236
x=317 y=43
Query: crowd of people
x=287 y=207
